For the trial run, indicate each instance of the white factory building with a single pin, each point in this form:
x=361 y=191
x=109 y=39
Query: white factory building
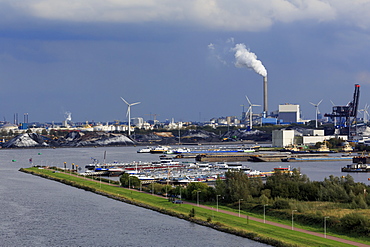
x=289 y=113
x=284 y=138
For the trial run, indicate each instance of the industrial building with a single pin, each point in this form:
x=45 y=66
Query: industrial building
x=284 y=138
x=289 y=113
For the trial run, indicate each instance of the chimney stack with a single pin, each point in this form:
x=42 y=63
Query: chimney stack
x=265 y=110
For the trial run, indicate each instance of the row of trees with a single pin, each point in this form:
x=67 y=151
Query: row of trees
x=282 y=192
x=237 y=185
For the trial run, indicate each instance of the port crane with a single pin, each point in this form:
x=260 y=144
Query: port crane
x=346 y=116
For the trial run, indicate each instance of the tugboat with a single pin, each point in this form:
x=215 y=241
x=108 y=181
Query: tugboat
x=294 y=149
x=322 y=149
x=347 y=147
x=360 y=164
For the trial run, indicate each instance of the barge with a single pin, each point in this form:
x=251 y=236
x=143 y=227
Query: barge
x=316 y=158
x=224 y=157
x=359 y=164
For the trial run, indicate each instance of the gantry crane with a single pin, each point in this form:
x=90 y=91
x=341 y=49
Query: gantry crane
x=346 y=116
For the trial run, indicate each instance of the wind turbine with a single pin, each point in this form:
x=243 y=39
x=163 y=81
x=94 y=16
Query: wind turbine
x=317 y=109
x=366 y=113
x=250 y=112
x=129 y=114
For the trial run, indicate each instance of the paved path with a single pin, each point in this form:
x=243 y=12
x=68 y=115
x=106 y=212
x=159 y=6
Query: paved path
x=280 y=225
x=255 y=219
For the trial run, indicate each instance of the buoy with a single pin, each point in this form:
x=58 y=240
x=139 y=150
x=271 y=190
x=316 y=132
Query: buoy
x=368 y=179
x=39 y=153
x=14 y=160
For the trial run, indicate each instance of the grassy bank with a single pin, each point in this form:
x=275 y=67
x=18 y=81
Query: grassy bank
x=257 y=231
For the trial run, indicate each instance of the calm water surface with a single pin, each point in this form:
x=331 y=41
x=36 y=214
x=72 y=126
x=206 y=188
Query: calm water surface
x=40 y=212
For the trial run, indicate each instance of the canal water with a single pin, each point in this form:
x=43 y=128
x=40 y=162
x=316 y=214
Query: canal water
x=41 y=212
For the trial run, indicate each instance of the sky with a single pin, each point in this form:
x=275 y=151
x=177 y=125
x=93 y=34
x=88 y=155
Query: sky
x=178 y=57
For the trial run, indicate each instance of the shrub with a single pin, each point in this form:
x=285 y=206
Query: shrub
x=355 y=223
x=192 y=213
x=281 y=204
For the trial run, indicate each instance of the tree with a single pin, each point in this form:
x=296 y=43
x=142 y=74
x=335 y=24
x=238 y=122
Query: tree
x=127 y=180
x=193 y=188
x=236 y=186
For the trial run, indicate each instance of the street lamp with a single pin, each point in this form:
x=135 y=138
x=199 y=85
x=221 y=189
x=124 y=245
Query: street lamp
x=239 y=205
x=217 y=201
x=264 y=213
x=292 y=219
x=129 y=182
x=325 y=226
x=198 y=197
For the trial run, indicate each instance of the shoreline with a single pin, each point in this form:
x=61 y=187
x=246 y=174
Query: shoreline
x=253 y=235
x=216 y=225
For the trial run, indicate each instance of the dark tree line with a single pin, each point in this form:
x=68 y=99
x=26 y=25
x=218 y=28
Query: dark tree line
x=237 y=185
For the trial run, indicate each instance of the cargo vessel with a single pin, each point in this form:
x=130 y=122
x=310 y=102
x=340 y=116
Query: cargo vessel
x=359 y=164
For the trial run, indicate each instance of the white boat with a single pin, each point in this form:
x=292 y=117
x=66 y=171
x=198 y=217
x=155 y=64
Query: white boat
x=143 y=177
x=204 y=166
x=159 y=149
x=347 y=147
x=177 y=151
x=182 y=150
x=145 y=150
x=247 y=150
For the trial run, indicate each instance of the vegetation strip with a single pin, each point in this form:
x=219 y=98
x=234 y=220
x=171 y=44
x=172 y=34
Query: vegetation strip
x=256 y=231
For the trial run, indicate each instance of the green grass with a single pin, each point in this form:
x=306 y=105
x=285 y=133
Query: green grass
x=255 y=230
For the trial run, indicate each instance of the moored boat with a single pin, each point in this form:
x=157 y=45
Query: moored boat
x=347 y=147
x=159 y=150
x=145 y=150
x=322 y=149
x=360 y=164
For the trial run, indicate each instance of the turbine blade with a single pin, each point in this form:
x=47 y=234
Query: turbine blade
x=248 y=100
x=319 y=103
x=135 y=103
x=313 y=104
x=124 y=101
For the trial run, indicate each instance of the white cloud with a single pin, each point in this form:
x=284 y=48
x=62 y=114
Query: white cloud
x=241 y=15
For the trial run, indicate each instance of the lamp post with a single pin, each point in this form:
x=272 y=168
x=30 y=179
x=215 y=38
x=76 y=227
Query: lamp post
x=325 y=226
x=217 y=201
x=198 y=197
x=293 y=219
x=129 y=182
x=264 y=213
x=239 y=205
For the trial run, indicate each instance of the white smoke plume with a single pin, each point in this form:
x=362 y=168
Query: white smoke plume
x=245 y=58
x=215 y=53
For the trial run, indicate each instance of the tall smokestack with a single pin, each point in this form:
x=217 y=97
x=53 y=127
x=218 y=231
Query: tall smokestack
x=245 y=58
x=265 y=108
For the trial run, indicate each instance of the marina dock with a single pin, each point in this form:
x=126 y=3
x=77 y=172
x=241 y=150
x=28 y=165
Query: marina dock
x=269 y=157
